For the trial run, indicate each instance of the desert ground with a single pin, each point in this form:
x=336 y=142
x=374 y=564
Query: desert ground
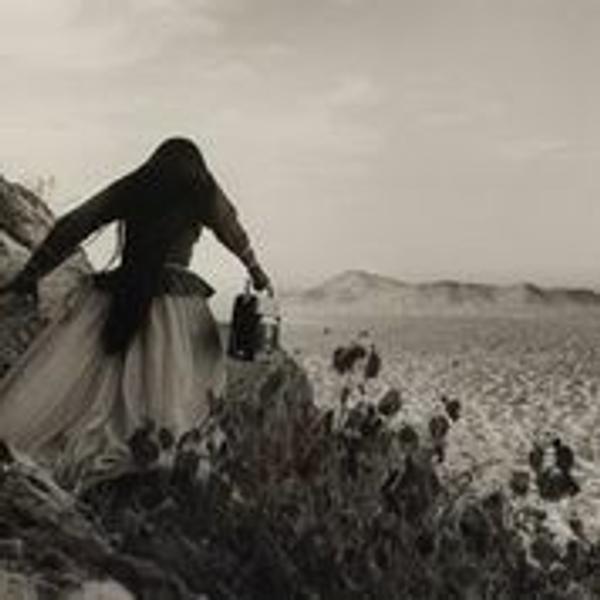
x=519 y=381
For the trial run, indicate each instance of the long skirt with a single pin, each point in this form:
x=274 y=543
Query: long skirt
x=72 y=407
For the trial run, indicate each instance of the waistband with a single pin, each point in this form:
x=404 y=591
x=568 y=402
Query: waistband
x=174 y=280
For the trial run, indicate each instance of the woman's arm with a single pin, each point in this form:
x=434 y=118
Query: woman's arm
x=64 y=237
x=224 y=222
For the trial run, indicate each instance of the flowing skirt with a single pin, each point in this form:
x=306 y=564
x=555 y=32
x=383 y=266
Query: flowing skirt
x=72 y=407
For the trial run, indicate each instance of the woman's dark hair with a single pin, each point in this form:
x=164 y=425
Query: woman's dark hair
x=172 y=190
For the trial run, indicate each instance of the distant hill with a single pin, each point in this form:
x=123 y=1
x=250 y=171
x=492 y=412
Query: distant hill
x=360 y=293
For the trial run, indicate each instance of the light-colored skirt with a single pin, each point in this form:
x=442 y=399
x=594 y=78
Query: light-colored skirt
x=69 y=405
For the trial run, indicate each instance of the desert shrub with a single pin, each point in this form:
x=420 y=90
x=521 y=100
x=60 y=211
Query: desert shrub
x=354 y=499
x=285 y=500
x=303 y=503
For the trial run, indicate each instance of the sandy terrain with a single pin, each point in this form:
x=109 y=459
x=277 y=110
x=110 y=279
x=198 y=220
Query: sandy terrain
x=519 y=381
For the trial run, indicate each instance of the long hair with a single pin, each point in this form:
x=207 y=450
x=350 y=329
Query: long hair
x=171 y=191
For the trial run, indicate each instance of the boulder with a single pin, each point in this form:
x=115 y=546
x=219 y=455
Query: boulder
x=100 y=590
x=25 y=220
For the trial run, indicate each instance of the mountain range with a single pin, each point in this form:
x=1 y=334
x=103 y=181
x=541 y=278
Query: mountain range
x=360 y=293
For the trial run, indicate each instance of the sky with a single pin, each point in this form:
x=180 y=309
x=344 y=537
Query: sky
x=421 y=139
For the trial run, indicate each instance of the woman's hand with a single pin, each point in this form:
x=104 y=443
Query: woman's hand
x=260 y=280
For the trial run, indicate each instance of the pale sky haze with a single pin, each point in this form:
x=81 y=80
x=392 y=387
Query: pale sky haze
x=421 y=139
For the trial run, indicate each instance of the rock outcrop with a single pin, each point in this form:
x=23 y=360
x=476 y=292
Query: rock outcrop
x=25 y=220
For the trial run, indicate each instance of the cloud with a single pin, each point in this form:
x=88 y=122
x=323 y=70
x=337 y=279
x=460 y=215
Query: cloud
x=353 y=91
x=304 y=135
x=446 y=118
x=458 y=112
x=442 y=104
x=73 y=34
x=526 y=149
x=310 y=133
x=347 y=3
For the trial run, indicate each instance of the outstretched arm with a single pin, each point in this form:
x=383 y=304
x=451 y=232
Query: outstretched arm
x=224 y=222
x=64 y=237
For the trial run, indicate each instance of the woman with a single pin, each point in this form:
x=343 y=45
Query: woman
x=134 y=345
